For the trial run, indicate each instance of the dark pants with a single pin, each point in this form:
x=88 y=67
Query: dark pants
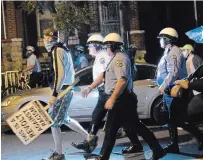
x=99 y=111
x=99 y=114
x=36 y=79
x=124 y=113
x=180 y=113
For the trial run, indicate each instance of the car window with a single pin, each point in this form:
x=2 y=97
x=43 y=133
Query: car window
x=145 y=72
x=85 y=77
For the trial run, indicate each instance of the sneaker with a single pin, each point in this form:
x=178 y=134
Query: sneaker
x=55 y=156
x=87 y=146
x=93 y=143
x=93 y=157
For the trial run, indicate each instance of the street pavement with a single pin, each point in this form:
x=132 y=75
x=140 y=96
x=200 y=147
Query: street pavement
x=13 y=149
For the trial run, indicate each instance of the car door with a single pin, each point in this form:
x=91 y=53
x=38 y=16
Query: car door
x=81 y=108
x=145 y=94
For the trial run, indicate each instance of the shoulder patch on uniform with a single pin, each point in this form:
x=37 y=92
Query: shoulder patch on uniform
x=119 y=63
x=102 y=60
x=174 y=57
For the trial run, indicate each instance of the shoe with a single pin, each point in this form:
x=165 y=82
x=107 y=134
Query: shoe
x=132 y=149
x=158 y=154
x=120 y=134
x=87 y=146
x=172 y=148
x=200 y=146
x=93 y=157
x=55 y=156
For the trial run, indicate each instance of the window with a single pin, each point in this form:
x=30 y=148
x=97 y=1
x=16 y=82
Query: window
x=145 y=72
x=44 y=24
x=85 y=77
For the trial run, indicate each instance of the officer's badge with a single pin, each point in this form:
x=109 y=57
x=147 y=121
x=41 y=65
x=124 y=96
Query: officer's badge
x=174 y=57
x=102 y=61
x=119 y=63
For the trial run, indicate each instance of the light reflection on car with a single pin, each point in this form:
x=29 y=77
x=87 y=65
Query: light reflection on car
x=81 y=108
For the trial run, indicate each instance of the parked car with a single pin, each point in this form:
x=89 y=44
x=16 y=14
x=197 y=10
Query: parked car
x=81 y=108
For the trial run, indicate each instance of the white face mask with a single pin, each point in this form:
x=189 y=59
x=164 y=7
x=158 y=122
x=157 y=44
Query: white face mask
x=92 y=51
x=162 y=44
x=185 y=54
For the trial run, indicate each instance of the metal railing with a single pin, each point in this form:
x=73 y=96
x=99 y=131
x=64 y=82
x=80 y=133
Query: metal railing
x=12 y=78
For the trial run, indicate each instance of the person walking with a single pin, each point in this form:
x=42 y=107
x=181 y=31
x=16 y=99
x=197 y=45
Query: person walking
x=122 y=101
x=64 y=77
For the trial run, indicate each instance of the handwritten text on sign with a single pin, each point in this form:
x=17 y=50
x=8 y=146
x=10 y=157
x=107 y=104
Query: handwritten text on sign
x=30 y=121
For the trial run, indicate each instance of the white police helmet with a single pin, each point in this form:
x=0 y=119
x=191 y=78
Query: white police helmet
x=113 y=38
x=95 y=38
x=169 y=33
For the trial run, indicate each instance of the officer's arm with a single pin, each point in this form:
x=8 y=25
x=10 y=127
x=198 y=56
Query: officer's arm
x=98 y=81
x=174 y=68
x=59 y=71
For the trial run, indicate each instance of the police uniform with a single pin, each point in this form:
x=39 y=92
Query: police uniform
x=99 y=66
x=124 y=111
x=170 y=68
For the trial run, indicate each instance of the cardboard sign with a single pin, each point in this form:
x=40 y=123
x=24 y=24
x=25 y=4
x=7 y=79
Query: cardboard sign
x=30 y=121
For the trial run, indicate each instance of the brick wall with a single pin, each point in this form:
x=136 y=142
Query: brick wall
x=10 y=20
x=136 y=35
x=94 y=14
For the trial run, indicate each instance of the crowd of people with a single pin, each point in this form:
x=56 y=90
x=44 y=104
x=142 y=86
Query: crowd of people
x=113 y=75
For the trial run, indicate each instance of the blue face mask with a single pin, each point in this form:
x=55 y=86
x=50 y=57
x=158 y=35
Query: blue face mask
x=48 y=45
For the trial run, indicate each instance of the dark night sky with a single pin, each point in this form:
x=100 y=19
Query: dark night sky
x=154 y=16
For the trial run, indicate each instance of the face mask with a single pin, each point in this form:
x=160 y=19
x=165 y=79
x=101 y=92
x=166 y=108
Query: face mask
x=185 y=54
x=48 y=45
x=162 y=44
x=28 y=53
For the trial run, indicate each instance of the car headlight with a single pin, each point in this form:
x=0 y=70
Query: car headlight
x=7 y=101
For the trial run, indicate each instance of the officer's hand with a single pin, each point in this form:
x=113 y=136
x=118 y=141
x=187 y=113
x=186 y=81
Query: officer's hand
x=86 y=91
x=175 y=90
x=182 y=83
x=161 y=90
x=52 y=101
x=109 y=103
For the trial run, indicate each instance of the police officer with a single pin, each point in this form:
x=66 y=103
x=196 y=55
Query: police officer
x=170 y=68
x=81 y=61
x=102 y=59
x=122 y=102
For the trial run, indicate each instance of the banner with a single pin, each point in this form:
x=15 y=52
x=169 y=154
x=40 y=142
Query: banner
x=30 y=121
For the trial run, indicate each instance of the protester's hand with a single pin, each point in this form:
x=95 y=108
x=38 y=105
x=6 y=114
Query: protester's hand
x=52 y=101
x=182 y=83
x=109 y=103
x=175 y=90
x=86 y=92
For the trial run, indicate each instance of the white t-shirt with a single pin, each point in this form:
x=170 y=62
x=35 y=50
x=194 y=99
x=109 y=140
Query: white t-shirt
x=32 y=60
x=101 y=61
